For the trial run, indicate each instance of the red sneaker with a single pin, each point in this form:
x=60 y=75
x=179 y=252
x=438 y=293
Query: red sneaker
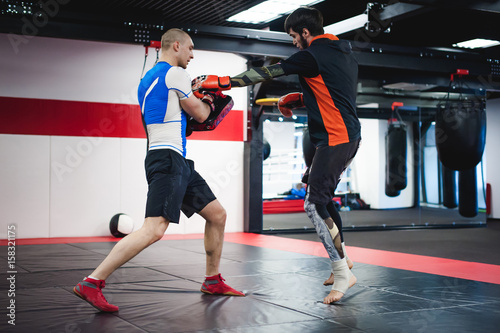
x=90 y=290
x=214 y=285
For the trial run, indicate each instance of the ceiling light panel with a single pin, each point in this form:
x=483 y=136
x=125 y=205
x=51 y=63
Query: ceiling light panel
x=269 y=10
x=477 y=43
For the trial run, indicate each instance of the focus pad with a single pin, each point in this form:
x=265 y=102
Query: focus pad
x=223 y=104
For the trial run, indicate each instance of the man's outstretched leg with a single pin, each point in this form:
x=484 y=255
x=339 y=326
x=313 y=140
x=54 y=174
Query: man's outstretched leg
x=215 y=216
x=90 y=289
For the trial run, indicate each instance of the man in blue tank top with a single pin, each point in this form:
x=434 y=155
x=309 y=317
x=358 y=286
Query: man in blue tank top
x=166 y=102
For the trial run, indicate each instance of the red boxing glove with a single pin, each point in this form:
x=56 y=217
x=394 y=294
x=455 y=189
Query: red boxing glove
x=210 y=83
x=290 y=101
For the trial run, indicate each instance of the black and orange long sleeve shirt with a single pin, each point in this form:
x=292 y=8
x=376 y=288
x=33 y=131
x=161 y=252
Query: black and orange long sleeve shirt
x=328 y=73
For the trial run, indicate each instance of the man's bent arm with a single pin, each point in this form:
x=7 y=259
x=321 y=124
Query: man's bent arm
x=195 y=108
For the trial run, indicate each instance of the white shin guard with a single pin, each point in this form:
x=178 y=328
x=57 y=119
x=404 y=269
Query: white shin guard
x=342 y=275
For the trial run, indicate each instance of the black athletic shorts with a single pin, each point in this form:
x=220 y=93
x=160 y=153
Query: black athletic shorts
x=326 y=168
x=174 y=185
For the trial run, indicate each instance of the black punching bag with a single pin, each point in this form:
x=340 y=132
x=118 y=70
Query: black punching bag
x=461 y=134
x=308 y=148
x=266 y=150
x=449 y=187
x=395 y=167
x=467 y=192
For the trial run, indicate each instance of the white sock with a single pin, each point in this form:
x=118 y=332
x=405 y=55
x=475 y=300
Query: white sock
x=93 y=278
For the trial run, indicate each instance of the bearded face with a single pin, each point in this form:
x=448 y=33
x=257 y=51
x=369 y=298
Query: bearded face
x=299 y=40
x=303 y=43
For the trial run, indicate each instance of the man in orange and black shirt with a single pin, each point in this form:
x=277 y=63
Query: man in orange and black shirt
x=328 y=75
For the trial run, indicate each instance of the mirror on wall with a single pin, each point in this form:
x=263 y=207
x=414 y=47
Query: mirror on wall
x=429 y=198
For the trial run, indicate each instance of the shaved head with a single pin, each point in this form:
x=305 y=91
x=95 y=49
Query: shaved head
x=172 y=36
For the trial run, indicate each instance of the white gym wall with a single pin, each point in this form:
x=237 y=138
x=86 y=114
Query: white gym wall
x=71 y=186
x=492 y=152
x=368 y=167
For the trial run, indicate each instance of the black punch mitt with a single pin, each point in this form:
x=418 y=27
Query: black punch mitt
x=222 y=105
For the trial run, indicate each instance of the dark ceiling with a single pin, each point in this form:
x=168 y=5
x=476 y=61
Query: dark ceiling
x=414 y=44
x=437 y=23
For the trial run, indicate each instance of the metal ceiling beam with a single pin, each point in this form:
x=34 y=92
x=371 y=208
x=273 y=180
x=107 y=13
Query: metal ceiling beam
x=420 y=113
x=399 y=10
x=384 y=16
x=417 y=114
x=434 y=64
x=438 y=63
x=481 y=5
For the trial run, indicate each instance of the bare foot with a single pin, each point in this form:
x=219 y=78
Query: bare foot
x=329 y=281
x=335 y=295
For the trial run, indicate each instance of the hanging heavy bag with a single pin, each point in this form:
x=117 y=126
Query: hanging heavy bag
x=449 y=187
x=461 y=134
x=308 y=148
x=266 y=149
x=308 y=151
x=395 y=167
x=467 y=193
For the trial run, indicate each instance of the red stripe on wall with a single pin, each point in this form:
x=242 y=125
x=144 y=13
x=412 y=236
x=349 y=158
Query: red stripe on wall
x=230 y=129
x=69 y=118
x=72 y=118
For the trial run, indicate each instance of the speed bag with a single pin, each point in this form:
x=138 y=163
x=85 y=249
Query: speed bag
x=395 y=167
x=308 y=148
x=461 y=134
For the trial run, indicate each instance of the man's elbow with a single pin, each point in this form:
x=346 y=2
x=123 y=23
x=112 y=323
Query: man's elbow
x=201 y=116
x=200 y=119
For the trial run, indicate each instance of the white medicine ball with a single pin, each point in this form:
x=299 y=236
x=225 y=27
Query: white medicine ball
x=121 y=225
